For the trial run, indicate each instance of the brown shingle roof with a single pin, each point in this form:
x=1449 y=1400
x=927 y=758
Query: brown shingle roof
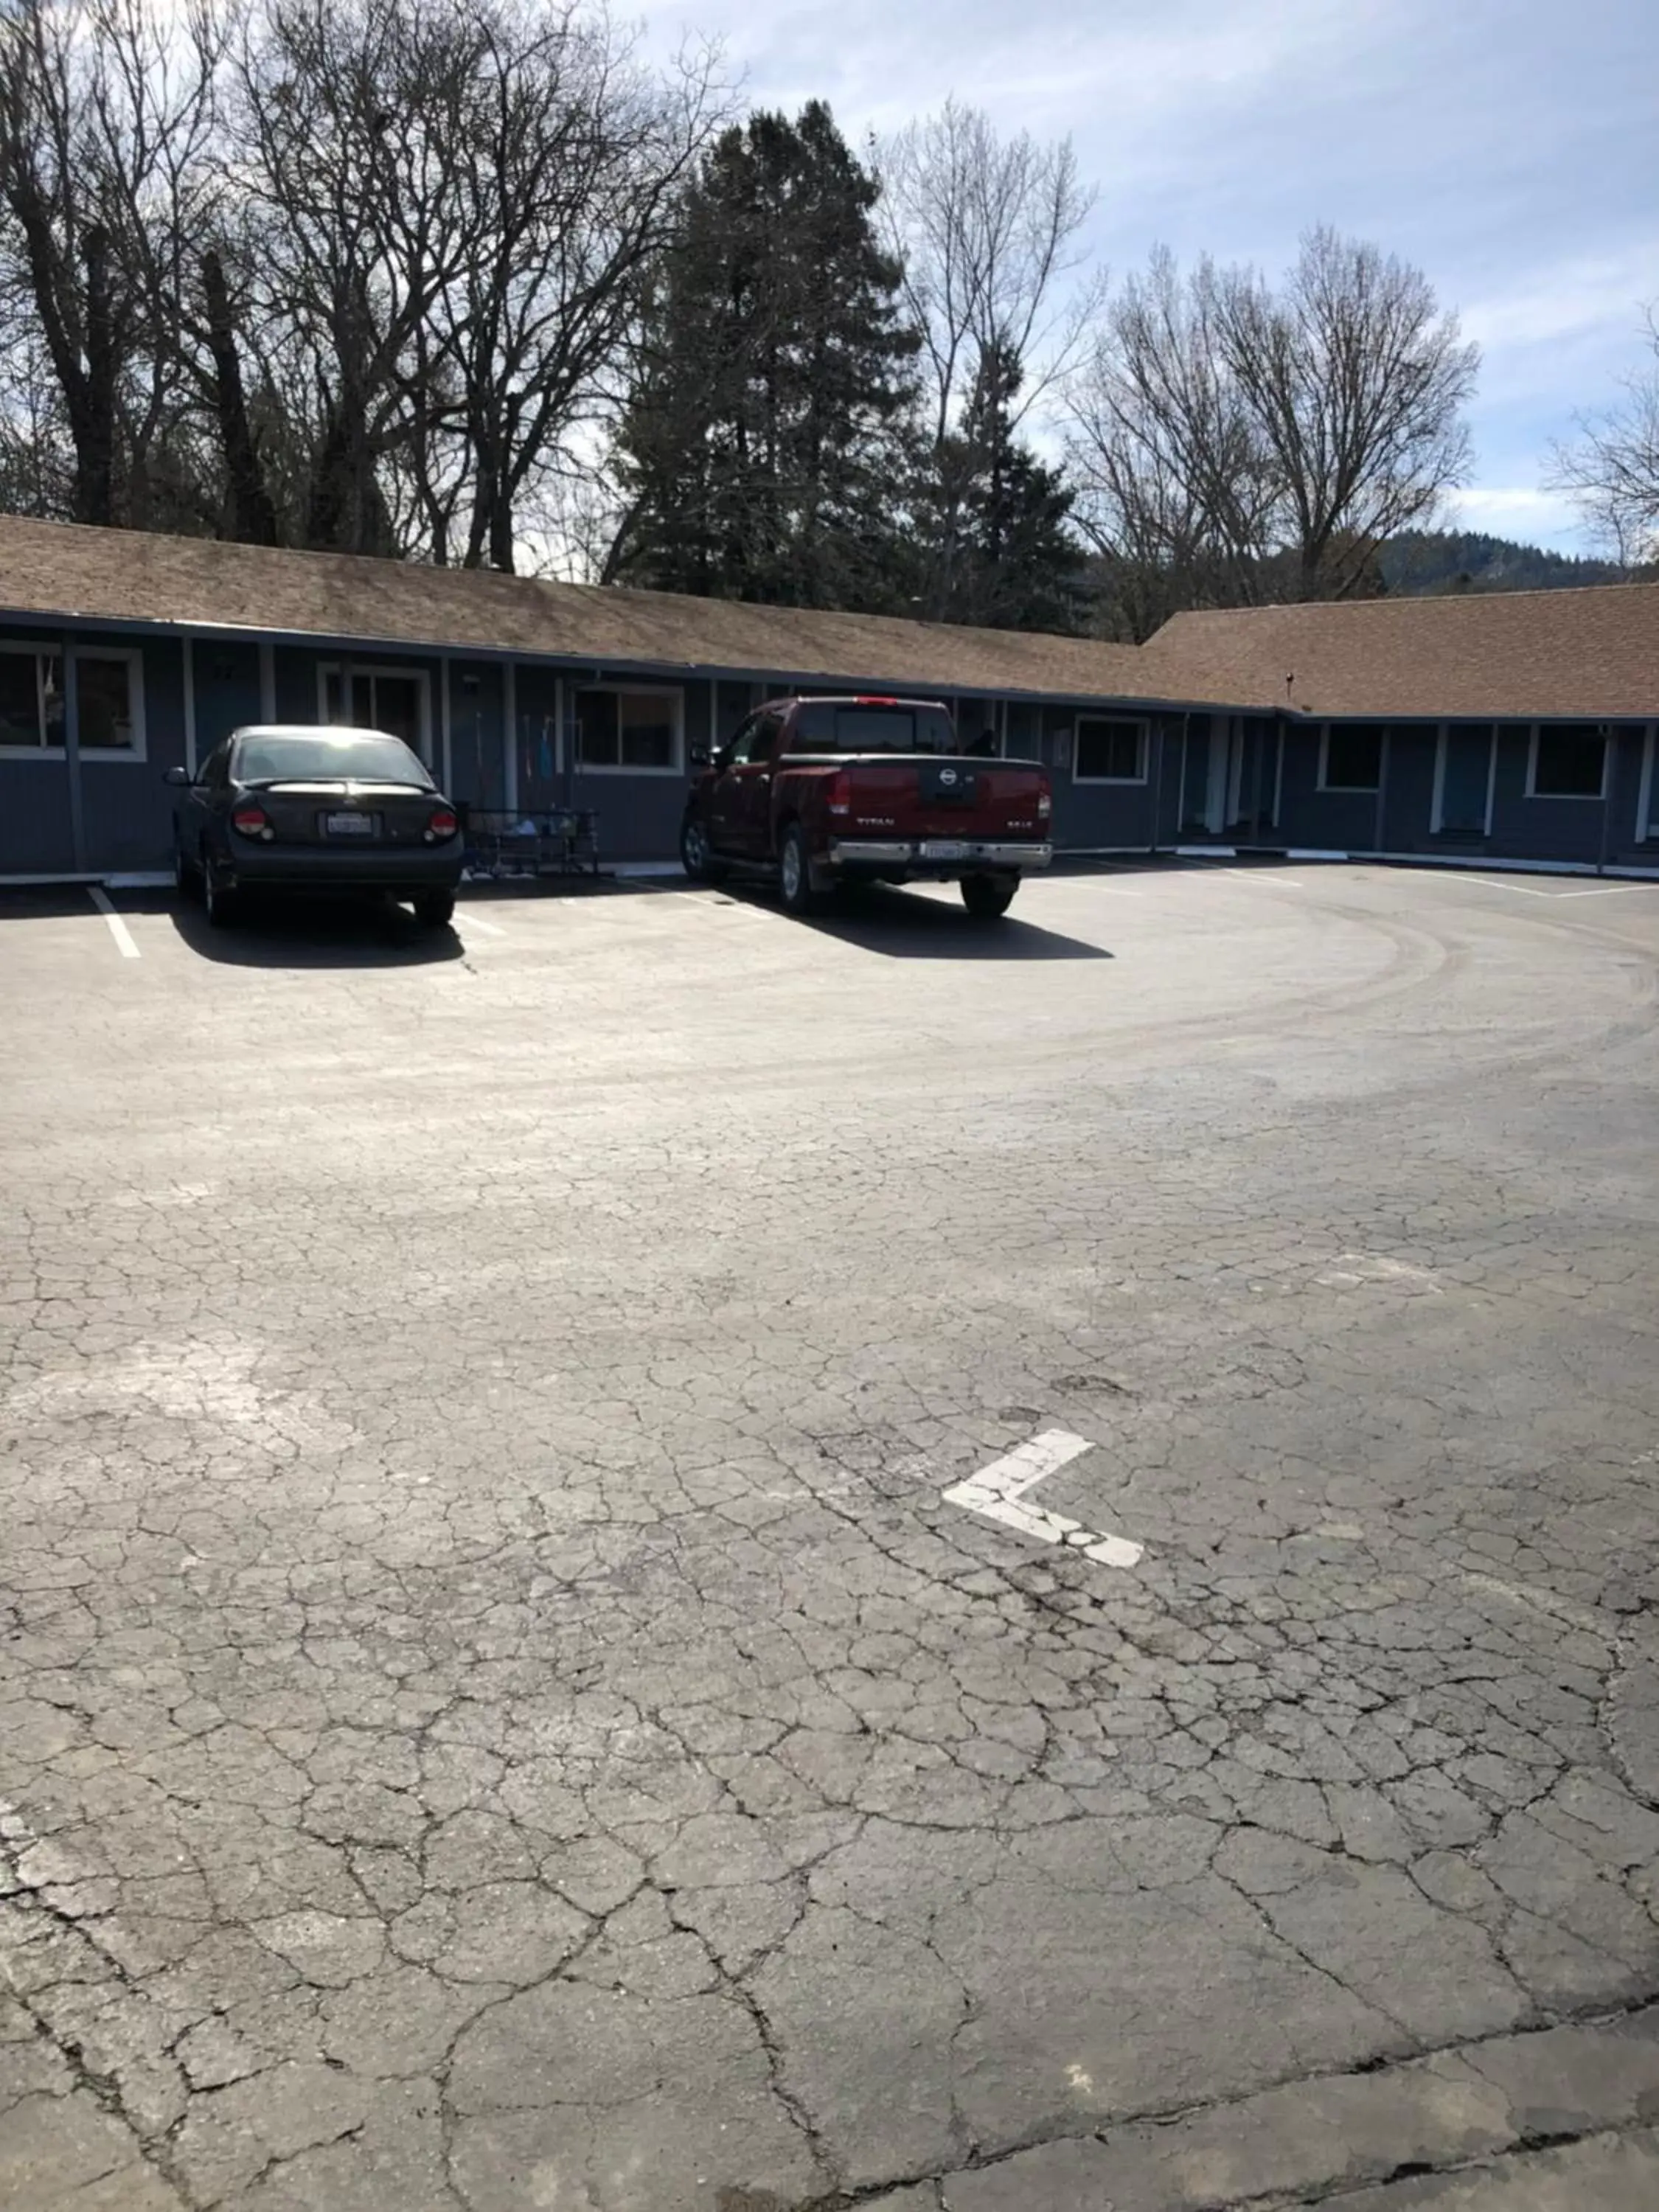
x=1592 y=654
x=119 y=575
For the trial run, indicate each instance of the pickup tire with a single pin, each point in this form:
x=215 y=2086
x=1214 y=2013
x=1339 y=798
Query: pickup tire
x=795 y=871
x=697 y=854
x=987 y=898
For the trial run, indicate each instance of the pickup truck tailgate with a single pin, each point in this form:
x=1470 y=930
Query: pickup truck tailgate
x=944 y=798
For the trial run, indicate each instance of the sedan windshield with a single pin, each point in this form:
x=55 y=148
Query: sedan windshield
x=832 y=725
x=328 y=756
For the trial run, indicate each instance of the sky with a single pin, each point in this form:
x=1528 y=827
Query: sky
x=1508 y=148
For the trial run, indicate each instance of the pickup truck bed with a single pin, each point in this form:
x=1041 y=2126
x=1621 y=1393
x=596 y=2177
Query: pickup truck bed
x=795 y=794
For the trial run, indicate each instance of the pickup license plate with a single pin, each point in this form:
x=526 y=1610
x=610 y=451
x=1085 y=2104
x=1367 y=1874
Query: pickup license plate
x=943 y=849
x=349 y=825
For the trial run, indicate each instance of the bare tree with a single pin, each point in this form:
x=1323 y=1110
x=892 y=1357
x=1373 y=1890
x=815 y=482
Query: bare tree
x=1253 y=444
x=108 y=115
x=1612 y=468
x=1176 y=489
x=577 y=173
x=987 y=231
x=447 y=212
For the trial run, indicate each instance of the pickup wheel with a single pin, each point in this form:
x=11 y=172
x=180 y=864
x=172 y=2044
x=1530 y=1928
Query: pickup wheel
x=795 y=871
x=987 y=898
x=697 y=854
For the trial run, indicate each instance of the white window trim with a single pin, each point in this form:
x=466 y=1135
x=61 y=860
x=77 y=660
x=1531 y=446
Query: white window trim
x=677 y=768
x=1137 y=723
x=136 y=753
x=1567 y=798
x=1348 y=790
x=347 y=669
x=1437 y=802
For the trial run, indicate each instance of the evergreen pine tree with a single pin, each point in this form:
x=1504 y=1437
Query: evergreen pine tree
x=759 y=449
x=994 y=519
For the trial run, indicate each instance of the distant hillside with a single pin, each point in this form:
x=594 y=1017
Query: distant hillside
x=1423 y=563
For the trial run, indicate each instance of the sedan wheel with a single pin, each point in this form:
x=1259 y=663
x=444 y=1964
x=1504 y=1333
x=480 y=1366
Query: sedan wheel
x=223 y=906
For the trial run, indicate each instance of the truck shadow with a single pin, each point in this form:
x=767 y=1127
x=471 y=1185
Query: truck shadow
x=903 y=926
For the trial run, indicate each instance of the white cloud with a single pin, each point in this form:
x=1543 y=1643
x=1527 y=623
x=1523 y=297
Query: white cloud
x=1505 y=146
x=1517 y=511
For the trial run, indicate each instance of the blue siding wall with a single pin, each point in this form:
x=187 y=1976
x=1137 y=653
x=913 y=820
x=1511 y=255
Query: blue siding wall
x=227 y=689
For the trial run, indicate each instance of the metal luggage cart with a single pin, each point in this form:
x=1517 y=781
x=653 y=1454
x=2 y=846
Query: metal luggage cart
x=559 y=841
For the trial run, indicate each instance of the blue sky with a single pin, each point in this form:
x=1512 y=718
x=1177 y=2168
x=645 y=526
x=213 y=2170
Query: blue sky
x=1509 y=148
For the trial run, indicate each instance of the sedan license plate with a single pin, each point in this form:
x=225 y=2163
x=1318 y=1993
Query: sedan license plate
x=349 y=825
x=943 y=849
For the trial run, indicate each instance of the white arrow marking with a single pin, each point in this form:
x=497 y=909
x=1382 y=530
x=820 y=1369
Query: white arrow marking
x=995 y=1492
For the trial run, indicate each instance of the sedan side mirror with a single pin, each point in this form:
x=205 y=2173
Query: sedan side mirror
x=180 y=778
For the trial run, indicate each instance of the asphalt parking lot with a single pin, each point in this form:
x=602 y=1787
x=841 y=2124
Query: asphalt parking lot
x=653 y=1558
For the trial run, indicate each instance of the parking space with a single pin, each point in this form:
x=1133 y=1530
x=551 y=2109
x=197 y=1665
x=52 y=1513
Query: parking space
x=658 y=1558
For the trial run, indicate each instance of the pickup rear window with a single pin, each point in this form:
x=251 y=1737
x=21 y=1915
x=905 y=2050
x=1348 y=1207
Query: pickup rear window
x=828 y=725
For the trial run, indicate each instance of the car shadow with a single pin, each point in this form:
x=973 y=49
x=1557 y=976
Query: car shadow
x=896 y=923
x=314 y=933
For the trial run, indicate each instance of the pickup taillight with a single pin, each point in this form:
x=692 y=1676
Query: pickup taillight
x=840 y=796
x=1045 y=804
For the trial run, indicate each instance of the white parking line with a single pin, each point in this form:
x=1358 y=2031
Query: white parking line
x=477 y=922
x=1527 y=890
x=118 y=928
x=995 y=1493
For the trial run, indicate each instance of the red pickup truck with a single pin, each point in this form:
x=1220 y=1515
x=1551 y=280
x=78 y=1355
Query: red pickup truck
x=822 y=791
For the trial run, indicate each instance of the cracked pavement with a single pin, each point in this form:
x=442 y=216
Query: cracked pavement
x=495 y=1712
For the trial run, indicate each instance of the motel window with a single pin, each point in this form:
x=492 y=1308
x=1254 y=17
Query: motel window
x=1568 y=761
x=1351 y=758
x=30 y=697
x=31 y=700
x=627 y=729
x=1111 y=749
x=107 y=686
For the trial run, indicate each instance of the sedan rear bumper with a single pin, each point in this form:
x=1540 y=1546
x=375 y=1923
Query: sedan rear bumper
x=253 y=866
x=976 y=854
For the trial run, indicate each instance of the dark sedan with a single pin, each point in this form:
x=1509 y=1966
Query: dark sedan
x=285 y=807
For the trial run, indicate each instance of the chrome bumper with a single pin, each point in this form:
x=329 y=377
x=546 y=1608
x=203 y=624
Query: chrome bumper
x=909 y=853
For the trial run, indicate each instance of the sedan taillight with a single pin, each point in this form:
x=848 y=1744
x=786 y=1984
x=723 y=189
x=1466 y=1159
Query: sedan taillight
x=251 y=822
x=442 y=823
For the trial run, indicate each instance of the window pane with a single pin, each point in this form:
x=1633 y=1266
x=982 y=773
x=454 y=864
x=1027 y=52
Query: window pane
x=1570 y=761
x=106 y=703
x=332 y=709
x=397 y=708
x=275 y=758
x=20 y=699
x=647 y=730
x=1109 y=750
x=596 y=729
x=1353 y=756
x=829 y=727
